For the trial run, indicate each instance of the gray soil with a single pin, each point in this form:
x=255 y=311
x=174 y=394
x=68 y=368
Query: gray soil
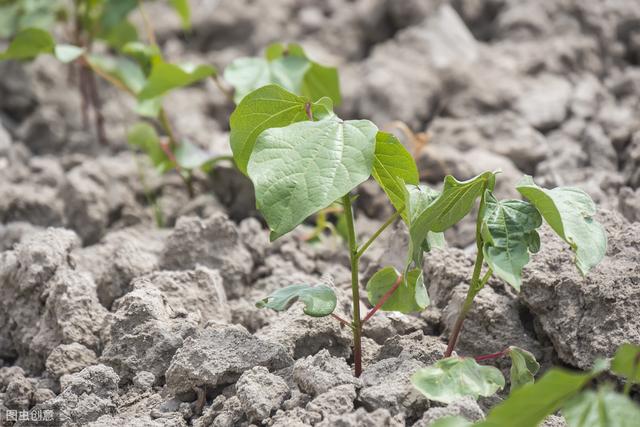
x=111 y=321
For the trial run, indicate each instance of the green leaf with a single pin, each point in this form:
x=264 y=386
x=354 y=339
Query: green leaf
x=265 y=108
x=28 y=44
x=393 y=161
x=604 y=408
x=145 y=137
x=420 y=197
x=455 y=377
x=453 y=204
x=529 y=405
x=149 y=107
x=190 y=156
x=507 y=231
x=67 y=53
x=115 y=12
x=411 y=296
x=119 y=35
x=124 y=70
x=306 y=166
x=183 y=9
x=322 y=81
x=249 y=74
x=626 y=362
x=318 y=300
x=456 y=421
x=569 y=211
x=166 y=77
x=524 y=367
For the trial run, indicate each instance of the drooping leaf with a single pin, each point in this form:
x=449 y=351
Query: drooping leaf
x=190 y=156
x=604 y=408
x=265 y=108
x=123 y=70
x=28 y=44
x=249 y=74
x=393 y=161
x=67 y=53
x=626 y=362
x=165 y=77
x=529 y=405
x=456 y=421
x=507 y=230
x=419 y=197
x=145 y=137
x=410 y=296
x=318 y=300
x=453 y=204
x=569 y=211
x=304 y=167
x=524 y=367
x=455 y=377
x=183 y=9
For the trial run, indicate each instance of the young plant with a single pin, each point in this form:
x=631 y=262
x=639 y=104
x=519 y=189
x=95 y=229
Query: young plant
x=136 y=68
x=506 y=232
x=569 y=393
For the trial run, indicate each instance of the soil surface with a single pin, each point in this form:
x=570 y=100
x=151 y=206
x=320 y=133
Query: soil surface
x=110 y=320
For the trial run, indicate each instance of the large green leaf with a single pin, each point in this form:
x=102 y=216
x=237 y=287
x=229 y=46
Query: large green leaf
x=265 y=108
x=28 y=44
x=166 y=77
x=318 y=300
x=569 y=211
x=626 y=362
x=306 y=166
x=529 y=405
x=248 y=74
x=145 y=137
x=524 y=367
x=452 y=378
x=604 y=408
x=507 y=228
x=183 y=9
x=393 y=161
x=453 y=204
x=410 y=296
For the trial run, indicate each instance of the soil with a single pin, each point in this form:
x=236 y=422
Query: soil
x=110 y=320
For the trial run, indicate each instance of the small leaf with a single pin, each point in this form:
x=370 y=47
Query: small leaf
x=393 y=161
x=507 y=228
x=319 y=300
x=419 y=198
x=322 y=81
x=149 y=107
x=143 y=54
x=166 y=77
x=524 y=367
x=124 y=70
x=569 y=211
x=529 y=405
x=456 y=421
x=249 y=74
x=115 y=12
x=410 y=297
x=67 y=53
x=306 y=166
x=453 y=204
x=626 y=362
x=454 y=377
x=265 y=108
x=144 y=136
x=604 y=408
x=28 y=44
x=120 y=35
x=190 y=156
x=183 y=9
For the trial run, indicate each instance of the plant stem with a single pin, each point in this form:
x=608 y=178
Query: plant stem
x=375 y=235
x=384 y=299
x=307 y=109
x=226 y=92
x=476 y=283
x=151 y=36
x=492 y=355
x=355 y=286
x=341 y=320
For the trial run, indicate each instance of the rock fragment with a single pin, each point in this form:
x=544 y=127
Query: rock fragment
x=260 y=393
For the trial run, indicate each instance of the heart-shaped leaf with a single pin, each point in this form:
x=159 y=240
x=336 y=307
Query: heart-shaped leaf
x=165 y=77
x=410 y=296
x=507 y=229
x=569 y=211
x=306 y=166
x=452 y=378
x=604 y=408
x=318 y=300
x=393 y=161
x=28 y=44
x=626 y=362
x=524 y=367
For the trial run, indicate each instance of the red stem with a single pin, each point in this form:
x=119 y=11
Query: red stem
x=382 y=300
x=341 y=320
x=492 y=355
x=307 y=109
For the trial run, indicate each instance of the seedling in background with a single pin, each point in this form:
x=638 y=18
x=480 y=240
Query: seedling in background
x=136 y=68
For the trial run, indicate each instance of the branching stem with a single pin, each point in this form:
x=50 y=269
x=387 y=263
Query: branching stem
x=384 y=299
x=375 y=235
x=497 y=355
